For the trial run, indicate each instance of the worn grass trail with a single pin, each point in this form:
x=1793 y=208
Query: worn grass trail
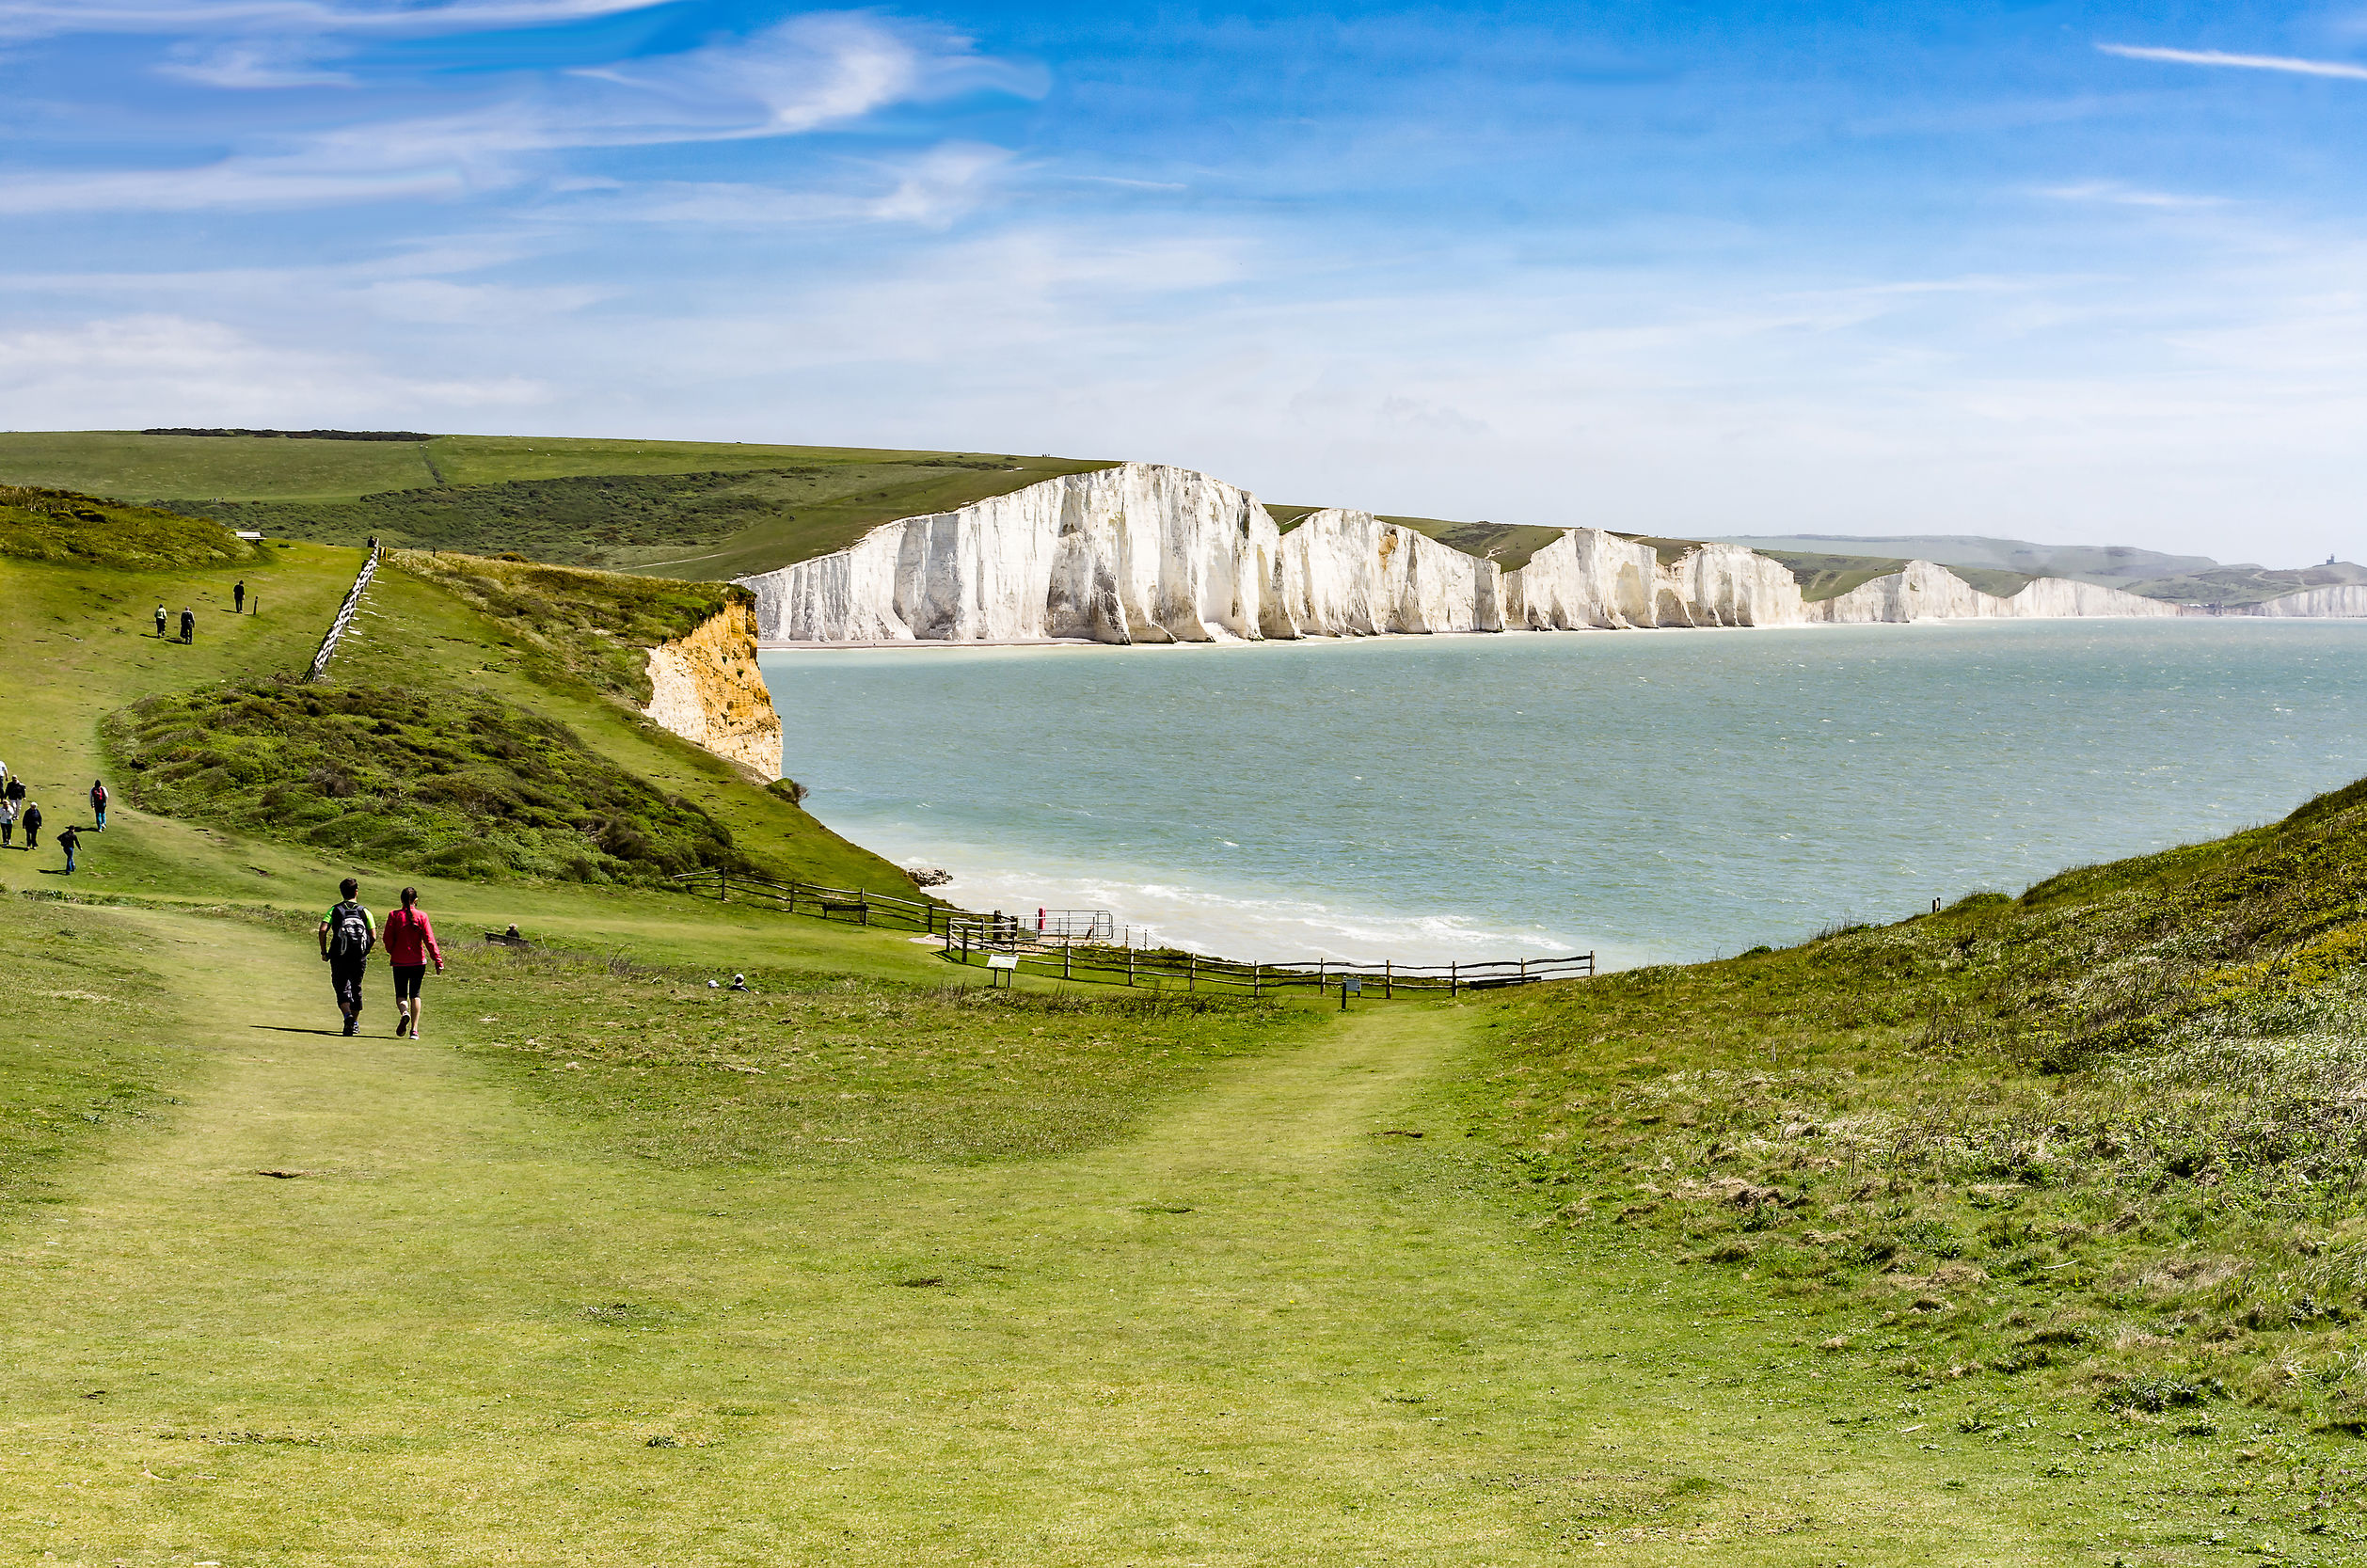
x=1271 y=1328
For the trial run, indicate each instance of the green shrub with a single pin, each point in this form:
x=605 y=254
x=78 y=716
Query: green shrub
x=456 y=785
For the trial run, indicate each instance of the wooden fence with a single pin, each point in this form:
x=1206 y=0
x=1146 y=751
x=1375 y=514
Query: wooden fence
x=345 y=615
x=1015 y=946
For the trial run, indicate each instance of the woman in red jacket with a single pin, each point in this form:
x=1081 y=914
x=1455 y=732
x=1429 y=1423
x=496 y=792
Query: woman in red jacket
x=409 y=941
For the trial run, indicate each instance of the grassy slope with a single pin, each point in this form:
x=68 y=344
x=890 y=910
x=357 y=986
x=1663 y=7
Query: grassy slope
x=793 y=502
x=87 y=626
x=2096 y=1152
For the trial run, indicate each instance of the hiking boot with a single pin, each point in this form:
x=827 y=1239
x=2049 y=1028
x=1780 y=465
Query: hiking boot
x=351 y=1024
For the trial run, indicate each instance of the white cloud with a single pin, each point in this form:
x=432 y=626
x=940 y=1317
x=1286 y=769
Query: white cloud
x=249 y=64
x=928 y=192
x=2341 y=69
x=170 y=369
x=186 y=18
x=2111 y=193
x=800 y=76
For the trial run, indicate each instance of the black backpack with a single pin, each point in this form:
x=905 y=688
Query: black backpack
x=349 y=936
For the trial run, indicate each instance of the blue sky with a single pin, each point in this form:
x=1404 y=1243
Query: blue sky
x=2058 y=271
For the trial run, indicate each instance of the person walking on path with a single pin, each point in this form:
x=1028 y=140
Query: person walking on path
x=160 y=622
x=410 y=942
x=98 y=806
x=31 y=817
x=14 y=791
x=69 y=841
x=7 y=822
x=188 y=624
x=347 y=935
x=238 y=598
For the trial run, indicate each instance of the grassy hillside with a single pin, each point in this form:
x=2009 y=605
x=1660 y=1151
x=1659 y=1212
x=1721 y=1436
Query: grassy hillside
x=62 y=527
x=2100 y=1145
x=705 y=510
x=473 y=637
x=452 y=783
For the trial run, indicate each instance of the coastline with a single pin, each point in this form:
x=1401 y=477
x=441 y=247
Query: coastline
x=1655 y=800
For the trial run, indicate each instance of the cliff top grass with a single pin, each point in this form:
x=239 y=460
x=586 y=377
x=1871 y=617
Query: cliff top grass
x=2101 y=1146
x=594 y=627
x=706 y=509
x=66 y=528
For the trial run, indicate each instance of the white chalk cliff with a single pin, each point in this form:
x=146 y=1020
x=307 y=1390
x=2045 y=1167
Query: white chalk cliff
x=1350 y=573
x=1146 y=553
x=1923 y=590
x=2340 y=601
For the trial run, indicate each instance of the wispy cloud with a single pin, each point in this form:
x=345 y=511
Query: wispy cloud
x=803 y=75
x=2111 y=193
x=193 y=17
x=2288 y=63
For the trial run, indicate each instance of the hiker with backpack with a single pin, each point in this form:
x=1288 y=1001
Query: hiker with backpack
x=347 y=935
x=98 y=806
x=410 y=942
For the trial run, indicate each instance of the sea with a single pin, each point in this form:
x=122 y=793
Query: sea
x=1647 y=795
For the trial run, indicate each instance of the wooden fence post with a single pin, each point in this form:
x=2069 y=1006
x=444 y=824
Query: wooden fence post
x=1191 y=972
x=723 y=886
x=1253 y=982
x=1454 y=981
x=1389 y=978
x=1067 y=969
x=862 y=906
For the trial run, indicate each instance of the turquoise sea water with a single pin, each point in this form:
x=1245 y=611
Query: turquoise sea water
x=1648 y=795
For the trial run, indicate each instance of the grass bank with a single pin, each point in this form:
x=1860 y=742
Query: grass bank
x=2100 y=1146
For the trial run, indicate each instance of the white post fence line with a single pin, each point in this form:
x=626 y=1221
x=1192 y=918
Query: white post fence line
x=345 y=615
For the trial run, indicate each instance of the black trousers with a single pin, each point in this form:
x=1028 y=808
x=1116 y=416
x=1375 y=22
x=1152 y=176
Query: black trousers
x=346 y=979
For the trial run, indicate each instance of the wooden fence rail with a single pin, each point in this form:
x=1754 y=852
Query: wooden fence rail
x=345 y=614
x=971 y=939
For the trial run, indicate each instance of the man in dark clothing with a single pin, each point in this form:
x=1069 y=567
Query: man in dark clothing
x=238 y=598
x=69 y=841
x=32 y=821
x=188 y=624
x=347 y=935
x=16 y=789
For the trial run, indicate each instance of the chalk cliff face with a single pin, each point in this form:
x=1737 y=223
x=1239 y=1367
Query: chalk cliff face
x=2340 y=601
x=1144 y=553
x=1138 y=553
x=1348 y=574
x=1729 y=585
x=1922 y=591
x=1585 y=578
x=706 y=689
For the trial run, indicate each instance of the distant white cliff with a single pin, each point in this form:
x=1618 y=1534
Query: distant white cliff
x=2340 y=601
x=1146 y=553
x=1924 y=590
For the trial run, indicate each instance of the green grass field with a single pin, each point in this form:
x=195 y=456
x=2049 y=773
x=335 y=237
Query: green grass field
x=1806 y=1257
x=685 y=509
